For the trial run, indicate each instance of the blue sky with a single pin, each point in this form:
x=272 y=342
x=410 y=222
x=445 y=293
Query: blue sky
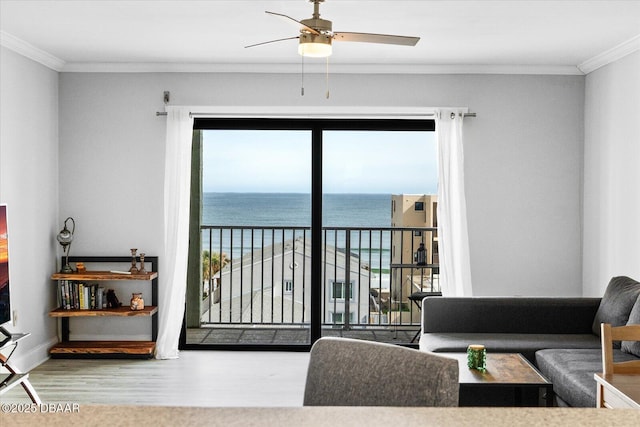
x=353 y=162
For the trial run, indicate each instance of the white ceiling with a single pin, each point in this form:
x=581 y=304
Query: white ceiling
x=456 y=36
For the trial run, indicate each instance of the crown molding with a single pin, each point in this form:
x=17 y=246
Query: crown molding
x=30 y=51
x=611 y=55
x=317 y=68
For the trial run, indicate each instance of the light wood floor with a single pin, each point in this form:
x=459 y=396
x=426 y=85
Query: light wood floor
x=197 y=378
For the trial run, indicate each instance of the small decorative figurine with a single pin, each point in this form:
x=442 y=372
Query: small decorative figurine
x=112 y=299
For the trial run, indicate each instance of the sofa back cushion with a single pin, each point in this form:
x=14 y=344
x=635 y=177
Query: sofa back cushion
x=516 y=315
x=633 y=347
x=617 y=301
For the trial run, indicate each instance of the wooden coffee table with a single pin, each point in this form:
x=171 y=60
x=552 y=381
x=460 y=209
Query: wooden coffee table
x=508 y=380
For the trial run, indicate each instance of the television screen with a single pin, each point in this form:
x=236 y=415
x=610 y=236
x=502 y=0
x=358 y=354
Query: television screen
x=5 y=307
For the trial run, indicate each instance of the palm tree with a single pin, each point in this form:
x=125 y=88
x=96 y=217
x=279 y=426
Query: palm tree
x=211 y=264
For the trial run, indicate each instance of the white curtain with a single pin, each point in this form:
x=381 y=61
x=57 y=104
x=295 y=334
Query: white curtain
x=453 y=241
x=172 y=277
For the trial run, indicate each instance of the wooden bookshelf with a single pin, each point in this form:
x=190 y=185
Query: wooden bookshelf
x=148 y=310
x=103 y=275
x=144 y=349
x=108 y=349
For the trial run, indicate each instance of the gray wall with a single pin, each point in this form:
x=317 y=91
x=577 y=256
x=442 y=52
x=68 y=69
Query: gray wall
x=611 y=174
x=523 y=158
x=29 y=186
x=89 y=145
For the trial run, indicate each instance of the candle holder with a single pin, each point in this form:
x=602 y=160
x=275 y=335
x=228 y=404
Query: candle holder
x=133 y=269
x=477 y=357
x=141 y=270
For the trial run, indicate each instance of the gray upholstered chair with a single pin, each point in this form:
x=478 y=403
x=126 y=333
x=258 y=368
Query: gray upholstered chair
x=348 y=372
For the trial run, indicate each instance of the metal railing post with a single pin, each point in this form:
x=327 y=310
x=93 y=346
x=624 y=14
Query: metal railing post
x=348 y=289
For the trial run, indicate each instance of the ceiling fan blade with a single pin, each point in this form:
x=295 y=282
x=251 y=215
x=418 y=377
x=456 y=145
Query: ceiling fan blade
x=272 y=41
x=375 y=38
x=306 y=27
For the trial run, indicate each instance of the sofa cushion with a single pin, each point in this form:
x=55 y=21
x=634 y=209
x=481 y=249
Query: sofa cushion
x=617 y=301
x=633 y=347
x=513 y=315
x=527 y=344
x=571 y=372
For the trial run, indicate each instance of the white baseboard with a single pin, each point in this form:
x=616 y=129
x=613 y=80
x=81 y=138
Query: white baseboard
x=25 y=362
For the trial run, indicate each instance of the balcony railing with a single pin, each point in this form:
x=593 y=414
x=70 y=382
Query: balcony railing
x=368 y=276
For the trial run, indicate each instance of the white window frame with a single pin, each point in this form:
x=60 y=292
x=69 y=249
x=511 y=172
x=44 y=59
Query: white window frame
x=334 y=317
x=287 y=285
x=342 y=283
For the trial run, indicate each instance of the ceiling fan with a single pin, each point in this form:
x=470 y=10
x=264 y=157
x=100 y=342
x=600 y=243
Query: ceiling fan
x=316 y=35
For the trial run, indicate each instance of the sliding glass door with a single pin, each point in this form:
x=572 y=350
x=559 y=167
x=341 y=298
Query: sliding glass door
x=255 y=238
x=366 y=288
x=292 y=223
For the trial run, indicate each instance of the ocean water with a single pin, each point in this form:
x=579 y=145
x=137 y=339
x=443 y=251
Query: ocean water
x=294 y=210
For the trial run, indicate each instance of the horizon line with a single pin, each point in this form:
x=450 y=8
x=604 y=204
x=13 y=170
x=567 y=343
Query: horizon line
x=298 y=192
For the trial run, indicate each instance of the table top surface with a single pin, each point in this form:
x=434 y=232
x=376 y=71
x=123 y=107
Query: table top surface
x=502 y=369
x=626 y=385
x=8 y=340
x=97 y=415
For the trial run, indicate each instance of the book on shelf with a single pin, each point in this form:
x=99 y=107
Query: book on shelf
x=100 y=298
x=75 y=304
x=65 y=300
x=81 y=296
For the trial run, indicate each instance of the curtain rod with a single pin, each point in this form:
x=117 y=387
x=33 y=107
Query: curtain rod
x=162 y=113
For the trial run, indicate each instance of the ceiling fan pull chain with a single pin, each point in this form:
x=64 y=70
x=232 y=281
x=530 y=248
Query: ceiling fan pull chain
x=302 y=77
x=327 y=77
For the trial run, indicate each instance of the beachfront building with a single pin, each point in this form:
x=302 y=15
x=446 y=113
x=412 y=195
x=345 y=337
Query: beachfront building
x=272 y=286
x=413 y=211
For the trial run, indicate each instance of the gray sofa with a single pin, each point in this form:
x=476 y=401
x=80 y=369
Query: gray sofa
x=561 y=336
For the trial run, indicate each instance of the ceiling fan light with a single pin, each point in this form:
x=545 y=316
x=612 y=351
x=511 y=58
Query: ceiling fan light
x=315 y=46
